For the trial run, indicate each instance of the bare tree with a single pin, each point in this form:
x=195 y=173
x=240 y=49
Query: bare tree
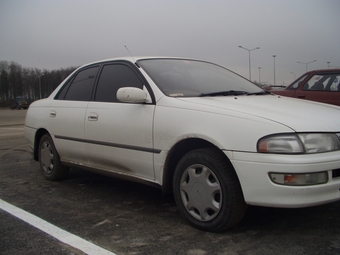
x=28 y=82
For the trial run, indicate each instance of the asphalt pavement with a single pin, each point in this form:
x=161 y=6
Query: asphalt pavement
x=122 y=217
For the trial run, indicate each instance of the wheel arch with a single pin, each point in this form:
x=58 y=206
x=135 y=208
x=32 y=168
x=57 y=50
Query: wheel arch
x=176 y=153
x=37 y=138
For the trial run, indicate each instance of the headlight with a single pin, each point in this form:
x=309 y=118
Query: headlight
x=315 y=143
x=286 y=144
x=298 y=143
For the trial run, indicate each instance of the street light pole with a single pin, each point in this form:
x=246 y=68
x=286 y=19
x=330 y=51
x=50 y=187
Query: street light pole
x=260 y=75
x=294 y=75
x=249 y=50
x=306 y=63
x=274 y=56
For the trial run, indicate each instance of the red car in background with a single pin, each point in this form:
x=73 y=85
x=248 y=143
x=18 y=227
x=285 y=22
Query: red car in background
x=318 y=85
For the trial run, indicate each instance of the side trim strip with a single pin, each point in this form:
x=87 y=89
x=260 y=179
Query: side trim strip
x=123 y=146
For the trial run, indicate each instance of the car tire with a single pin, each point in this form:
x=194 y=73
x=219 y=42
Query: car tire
x=49 y=160
x=207 y=190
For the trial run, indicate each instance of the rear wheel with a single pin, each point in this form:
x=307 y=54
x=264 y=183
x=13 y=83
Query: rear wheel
x=50 y=164
x=207 y=190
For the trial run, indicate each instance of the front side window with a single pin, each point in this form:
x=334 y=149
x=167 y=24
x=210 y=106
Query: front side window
x=80 y=89
x=296 y=84
x=112 y=78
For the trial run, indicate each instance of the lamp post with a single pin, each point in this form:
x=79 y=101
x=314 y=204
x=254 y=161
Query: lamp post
x=328 y=64
x=259 y=74
x=294 y=75
x=306 y=63
x=249 y=50
x=274 y=56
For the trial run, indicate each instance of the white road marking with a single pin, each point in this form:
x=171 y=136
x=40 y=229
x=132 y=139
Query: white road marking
x=58 y=233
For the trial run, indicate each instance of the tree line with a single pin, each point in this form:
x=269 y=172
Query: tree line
x=32 y=83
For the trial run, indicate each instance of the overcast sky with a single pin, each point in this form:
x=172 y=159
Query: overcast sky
x=53 y=34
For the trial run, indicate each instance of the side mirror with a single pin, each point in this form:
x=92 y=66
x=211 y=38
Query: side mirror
x=131 y=95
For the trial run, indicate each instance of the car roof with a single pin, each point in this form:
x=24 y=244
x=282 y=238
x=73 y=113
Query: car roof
x=325 y=70
x=134 y=59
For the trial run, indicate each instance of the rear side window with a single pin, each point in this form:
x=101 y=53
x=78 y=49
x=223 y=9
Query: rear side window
x=335 y=85
x=81 y=87
x=112 y=78
x=323 y=82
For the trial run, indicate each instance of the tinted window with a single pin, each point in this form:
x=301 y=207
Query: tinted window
x=114 y=77
x=61 y=94
x=82 y=85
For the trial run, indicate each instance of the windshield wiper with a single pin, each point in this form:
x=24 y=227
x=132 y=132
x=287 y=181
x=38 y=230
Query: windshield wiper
x=224 y=93
x=264 y=92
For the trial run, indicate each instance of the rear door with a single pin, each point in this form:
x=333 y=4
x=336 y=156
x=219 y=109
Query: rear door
x=119 y=135
x=66 y=115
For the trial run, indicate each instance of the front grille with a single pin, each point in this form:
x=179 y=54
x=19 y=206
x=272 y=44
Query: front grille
x=336 y=173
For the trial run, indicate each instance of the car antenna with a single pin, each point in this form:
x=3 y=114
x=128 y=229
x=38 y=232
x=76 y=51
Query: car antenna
x=131 y=56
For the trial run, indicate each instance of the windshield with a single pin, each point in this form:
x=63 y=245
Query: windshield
x=190 y=78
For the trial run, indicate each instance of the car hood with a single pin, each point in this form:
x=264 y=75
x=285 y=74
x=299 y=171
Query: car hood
x=298 y=115
x=283 y=92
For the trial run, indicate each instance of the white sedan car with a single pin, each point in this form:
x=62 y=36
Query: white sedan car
x=195 y=129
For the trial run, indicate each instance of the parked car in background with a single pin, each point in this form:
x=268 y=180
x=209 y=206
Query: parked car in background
x=20 y=103
x=318 y=85
x=195 y=129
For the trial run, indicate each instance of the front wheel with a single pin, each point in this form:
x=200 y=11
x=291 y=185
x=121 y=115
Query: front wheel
x=50 y=164
x=207 y=190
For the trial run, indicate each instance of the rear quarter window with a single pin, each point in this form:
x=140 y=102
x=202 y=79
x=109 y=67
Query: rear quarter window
x=80 y=87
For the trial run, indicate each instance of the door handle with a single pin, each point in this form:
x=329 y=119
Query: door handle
x=301 y=96
x=53 y=114
x=93 y=117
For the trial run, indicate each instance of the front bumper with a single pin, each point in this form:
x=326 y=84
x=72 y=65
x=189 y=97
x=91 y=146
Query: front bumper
x=253 y=172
